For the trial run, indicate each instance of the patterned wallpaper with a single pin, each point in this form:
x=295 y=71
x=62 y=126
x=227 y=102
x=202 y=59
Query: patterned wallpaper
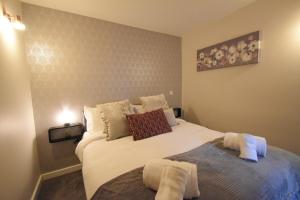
x=77 y=60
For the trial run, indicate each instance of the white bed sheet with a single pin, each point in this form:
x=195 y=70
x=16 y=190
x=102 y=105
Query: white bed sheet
x=104 y=160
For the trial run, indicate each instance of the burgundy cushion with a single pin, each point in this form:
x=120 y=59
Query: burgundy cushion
x=148 y=124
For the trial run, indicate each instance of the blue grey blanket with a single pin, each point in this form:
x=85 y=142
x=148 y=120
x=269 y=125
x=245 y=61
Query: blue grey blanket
x=222 y=176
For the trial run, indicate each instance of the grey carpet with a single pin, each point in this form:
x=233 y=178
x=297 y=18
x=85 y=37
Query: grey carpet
x=69 y=186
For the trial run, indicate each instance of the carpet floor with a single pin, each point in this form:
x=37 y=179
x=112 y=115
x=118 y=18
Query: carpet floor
x=66 y=187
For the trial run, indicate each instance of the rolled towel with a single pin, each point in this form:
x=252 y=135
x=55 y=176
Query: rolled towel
x=248 y=147
x=231 y=141
x=172 y=183
x=153 y=170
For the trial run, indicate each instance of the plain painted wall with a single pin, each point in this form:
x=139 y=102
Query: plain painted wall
x=262 y=99
x=19 y=169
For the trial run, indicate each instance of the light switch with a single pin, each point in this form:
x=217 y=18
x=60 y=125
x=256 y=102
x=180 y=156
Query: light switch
x=171 y=92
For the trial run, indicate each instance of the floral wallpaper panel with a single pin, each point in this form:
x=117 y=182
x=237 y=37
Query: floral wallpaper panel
x=243 y=50
x=77 y=61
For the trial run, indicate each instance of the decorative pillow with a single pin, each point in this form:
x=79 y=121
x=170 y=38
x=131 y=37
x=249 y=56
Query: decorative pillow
x=94 y=122
x=148 y=124
x=138 y=109
x=114 y=117
x=169 y=113
x=154 y=102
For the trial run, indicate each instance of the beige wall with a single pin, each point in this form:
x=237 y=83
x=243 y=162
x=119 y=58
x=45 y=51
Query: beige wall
x=262 y=99
x=77 y=61
x=19 y=169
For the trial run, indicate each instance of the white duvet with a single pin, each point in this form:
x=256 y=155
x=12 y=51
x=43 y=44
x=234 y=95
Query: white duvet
x=104 y=160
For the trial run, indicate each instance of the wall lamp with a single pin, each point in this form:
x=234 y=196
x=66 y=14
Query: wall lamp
x=14 y=20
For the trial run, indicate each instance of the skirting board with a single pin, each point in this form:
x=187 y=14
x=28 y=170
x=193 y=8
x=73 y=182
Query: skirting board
x=36 y=188
x=53 y=174
x=61 y=172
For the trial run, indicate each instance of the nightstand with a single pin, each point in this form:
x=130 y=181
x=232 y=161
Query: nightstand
x=65 y=132
x=177 y=112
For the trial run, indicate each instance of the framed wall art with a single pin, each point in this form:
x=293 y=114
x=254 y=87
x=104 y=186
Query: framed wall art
x=243 y=50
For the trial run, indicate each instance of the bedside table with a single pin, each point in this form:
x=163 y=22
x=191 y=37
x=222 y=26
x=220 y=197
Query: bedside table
x=177 y=112
x=65 y=132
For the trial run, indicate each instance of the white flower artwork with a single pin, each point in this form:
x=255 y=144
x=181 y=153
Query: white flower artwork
x=253 y=45
x=231 y=59
x=213 y=51
x=232 y=49
x=241 y=45
x=201 y=55
x=243 y=50
x=219 y=55
x=246 y=56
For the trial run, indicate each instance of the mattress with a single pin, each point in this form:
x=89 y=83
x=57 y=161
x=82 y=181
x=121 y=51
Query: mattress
x=104 y=160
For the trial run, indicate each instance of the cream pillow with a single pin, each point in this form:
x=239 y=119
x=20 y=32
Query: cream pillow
x=138 y=109
x=169 y=113
x=94 y=122
x=114 y=117
x=154 y=102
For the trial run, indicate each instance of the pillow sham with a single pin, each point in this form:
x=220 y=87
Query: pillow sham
x=148 y=124
x=94 y=122
x=154 y=102
x=114 y=118
x=169 y=113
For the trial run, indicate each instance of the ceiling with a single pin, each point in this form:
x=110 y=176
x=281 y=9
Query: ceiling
x=174 y=17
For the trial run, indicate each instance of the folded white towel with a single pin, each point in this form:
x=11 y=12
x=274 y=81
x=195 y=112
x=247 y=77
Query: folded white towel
x=248 y=147
x=172 y=183
x=231 y=141
x=153 y=170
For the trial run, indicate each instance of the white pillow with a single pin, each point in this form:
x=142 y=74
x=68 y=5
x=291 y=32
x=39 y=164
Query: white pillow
x=114 y=117
x=169 y=113
x=94 y=122
x=154 y=102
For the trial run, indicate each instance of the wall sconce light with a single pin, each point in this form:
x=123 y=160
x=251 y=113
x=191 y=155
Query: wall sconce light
x=66 y=117
x=14 y=20
x=17 y=23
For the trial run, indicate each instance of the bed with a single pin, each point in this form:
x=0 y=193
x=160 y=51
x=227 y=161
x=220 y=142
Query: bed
x=113 y=169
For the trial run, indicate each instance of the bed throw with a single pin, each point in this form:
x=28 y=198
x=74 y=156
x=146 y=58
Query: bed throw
x=222 y=175
x=153 y=170
x=172 y=184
